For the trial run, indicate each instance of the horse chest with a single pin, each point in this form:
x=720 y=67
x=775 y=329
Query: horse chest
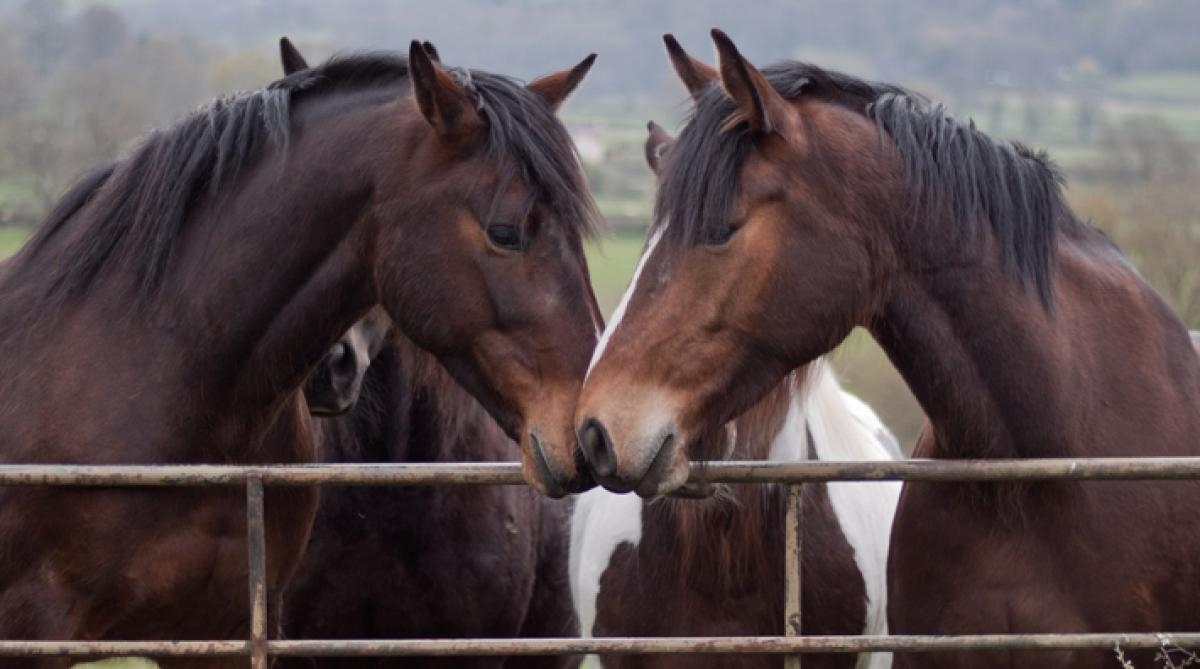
x=643 y=588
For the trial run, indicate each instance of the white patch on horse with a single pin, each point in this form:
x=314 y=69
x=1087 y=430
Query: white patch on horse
x=624 y=303
x=601 y=522
x=843 y=427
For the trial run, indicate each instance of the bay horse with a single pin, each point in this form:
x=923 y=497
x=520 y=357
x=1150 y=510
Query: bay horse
x=799 y=203
x=172 y=305
x=424 y=562
x=715 y=567
x=728 y=578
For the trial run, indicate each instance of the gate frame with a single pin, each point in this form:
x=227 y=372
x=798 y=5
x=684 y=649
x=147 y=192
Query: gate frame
x=259 y=648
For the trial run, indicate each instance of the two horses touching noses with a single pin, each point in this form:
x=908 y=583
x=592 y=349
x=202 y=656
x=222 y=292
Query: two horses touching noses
x=213 y=270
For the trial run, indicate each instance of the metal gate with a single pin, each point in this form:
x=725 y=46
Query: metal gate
x=259 y=647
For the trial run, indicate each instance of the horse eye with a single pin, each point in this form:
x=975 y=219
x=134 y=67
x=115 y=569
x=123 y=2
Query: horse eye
x=505 y=236
x=719 y=236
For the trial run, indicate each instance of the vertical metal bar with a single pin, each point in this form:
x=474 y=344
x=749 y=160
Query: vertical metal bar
x=257 y=543
x=794 y=551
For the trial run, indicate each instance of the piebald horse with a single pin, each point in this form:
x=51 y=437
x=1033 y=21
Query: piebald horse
x=172 y=305
x=797 y=204
x=430 y=561
x=715 y=567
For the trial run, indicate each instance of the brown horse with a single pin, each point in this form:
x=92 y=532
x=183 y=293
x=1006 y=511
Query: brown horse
x=440 y=562
x=797 y=204
x=172 y=306
x=715 y=567
x=729 y=577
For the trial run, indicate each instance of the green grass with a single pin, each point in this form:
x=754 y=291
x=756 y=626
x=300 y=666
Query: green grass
x=610 y=262
x=1178 y=85
x=11 y=240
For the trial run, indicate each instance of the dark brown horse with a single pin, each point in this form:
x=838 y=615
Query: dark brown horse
x=715 y=567
x=798 y=204
x=171 y=307
x=426 y=562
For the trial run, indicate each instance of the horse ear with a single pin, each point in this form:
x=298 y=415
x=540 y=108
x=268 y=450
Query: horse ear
x=696 y=76
x=657 y=143
x=554 y=88
x=441 y=99
x=757 y=101
x=292 y=60
x=432 y=51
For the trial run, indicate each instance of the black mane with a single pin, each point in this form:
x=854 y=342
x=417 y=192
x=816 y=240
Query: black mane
x=948 y=164
x=142 y=202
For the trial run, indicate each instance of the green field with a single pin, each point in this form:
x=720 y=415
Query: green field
x=11 y=240
x=611 y=260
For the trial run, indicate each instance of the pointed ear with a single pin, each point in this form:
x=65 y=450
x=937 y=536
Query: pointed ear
x=554 y=88
x=757 y=101
x=696 y=76
x=290 y=55
x=657 y=143
x=432 y=51
x=441 y=99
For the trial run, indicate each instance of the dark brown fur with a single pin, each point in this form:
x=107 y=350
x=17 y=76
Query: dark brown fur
x=428 y=562
x=170 y=310
x=715 y=567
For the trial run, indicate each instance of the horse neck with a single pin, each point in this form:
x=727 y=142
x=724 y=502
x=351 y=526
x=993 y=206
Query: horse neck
x=1001 y=375
x=272 y=275
x=262 y=280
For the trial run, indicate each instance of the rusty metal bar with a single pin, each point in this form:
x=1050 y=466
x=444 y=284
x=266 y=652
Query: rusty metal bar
x=235 y=648
x=769 y=645
x=793 y=574
x=729 y=645
x=509 y=473
x=256 y=543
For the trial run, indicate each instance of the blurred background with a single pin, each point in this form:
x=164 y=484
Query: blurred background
x=1110 y=87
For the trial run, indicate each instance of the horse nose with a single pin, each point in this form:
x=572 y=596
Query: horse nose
x=598 y=448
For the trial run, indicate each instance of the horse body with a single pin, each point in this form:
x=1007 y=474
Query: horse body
x=1110 y=371
x=798 y=204
x=171 y=308
x=427 y=562
x=715 y=567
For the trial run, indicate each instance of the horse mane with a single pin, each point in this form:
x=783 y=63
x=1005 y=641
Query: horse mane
x=142 y=202
x=949 y=165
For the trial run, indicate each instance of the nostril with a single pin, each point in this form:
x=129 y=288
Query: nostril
x=343 y=357
x=597 y=448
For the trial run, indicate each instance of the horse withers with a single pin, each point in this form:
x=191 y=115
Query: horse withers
x=172 y=305
x=797 y=204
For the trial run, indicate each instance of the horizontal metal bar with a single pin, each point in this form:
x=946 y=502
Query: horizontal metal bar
x=509 y=473
x=770 y=645
x=125 y=648
x=755 y=645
